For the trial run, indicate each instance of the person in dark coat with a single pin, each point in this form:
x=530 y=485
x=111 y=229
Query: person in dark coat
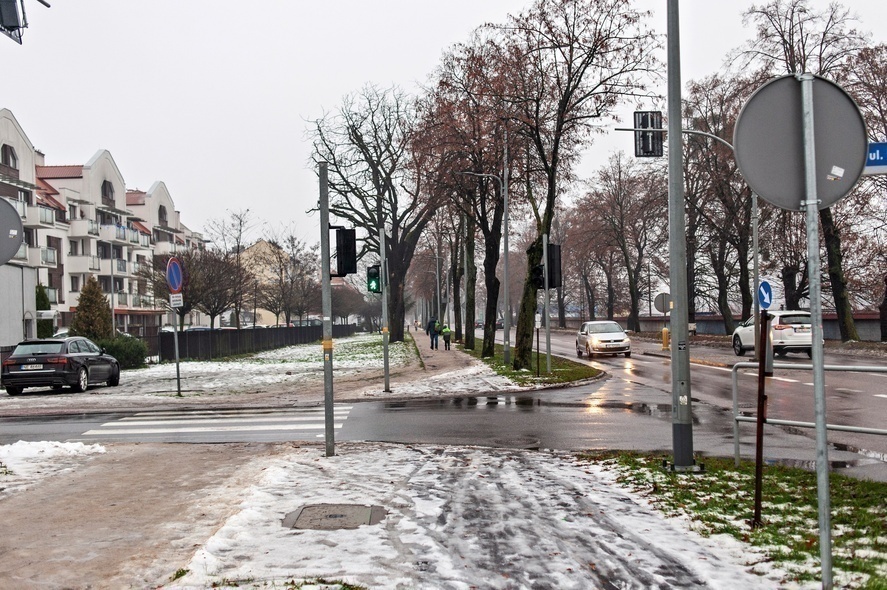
x=433 y=329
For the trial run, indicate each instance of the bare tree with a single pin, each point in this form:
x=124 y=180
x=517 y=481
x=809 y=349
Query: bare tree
x=376 y=181
x=230 y=237
x=568 y=63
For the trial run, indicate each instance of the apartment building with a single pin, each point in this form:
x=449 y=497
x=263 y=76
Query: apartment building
x=81 y=221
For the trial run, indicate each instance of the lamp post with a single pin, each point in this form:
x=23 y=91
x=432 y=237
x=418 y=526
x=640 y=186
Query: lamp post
x=503 y=186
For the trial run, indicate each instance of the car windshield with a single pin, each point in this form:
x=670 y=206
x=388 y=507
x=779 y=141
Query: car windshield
x=604 y=328
x=794 y=319
x=38 y=348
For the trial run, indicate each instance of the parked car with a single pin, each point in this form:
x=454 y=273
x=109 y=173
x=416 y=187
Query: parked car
x=500 y=323
x=602 y=337
x=56 y=362
x=791 y=331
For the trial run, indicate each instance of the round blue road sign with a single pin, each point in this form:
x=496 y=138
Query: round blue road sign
x=765 y=295
x=174 y=276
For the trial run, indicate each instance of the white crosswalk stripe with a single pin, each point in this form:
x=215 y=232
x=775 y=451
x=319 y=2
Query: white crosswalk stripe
x=307 y=421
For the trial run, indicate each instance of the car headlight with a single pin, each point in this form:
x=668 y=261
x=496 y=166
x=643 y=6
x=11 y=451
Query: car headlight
x=595 y=341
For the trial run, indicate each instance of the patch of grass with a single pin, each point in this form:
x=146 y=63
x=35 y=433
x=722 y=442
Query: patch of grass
x=721 y=501
x=562 y=370
x=311 y=583
x=180 y=573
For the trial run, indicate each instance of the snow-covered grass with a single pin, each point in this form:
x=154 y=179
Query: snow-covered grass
x=720 y=501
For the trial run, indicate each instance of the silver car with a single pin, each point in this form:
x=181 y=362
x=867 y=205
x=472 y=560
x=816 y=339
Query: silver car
x=791 y=331
x=602 y=337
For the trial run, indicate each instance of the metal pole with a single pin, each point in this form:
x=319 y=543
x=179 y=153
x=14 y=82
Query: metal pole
x=810 y=205
x=757 y=280
x=547 y=303
x=437 y=279
x=327 y=307
x=682 y=415
x=762 y=418
x=506 y=326
x=384 y=279
x=178 y=374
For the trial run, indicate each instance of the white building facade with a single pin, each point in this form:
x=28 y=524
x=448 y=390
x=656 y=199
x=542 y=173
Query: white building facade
x=80 y=221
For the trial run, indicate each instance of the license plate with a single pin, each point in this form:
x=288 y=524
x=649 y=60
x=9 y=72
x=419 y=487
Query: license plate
x=31 y=367
x=802 y=330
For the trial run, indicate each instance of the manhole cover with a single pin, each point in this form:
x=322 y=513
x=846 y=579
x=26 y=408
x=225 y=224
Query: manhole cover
x=328 y=517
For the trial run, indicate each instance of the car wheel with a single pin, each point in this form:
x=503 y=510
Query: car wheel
x=781 y=353
x=628 y=354
x=578 y=350
x=588 y=351
x=82 y=381
x=10 y=390
x=737 y=346
x=114 y=380
x=809 y=353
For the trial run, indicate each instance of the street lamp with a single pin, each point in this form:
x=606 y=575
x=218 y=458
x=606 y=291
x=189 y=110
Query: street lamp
x=503 y=186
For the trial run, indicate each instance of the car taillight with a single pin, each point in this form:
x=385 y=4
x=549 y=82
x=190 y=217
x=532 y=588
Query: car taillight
x=9 y=362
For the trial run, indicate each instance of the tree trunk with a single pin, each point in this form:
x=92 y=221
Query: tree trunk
x=458 y=266
x=523 y=346
x=836 y=276
x=470 y=286
x=491 y=260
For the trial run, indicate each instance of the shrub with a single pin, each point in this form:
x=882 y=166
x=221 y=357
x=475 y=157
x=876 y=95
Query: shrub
x=129 y=352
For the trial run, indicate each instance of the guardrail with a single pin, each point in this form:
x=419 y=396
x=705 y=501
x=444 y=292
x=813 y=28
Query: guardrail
x=843 y=368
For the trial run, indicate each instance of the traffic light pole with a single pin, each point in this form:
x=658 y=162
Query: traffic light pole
x=327 y=307
x=682 y=415
x=545 y=276
x=383 y=280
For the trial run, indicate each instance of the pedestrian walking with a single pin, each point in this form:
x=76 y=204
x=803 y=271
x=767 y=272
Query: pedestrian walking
x=446 y=336
x=433 y=329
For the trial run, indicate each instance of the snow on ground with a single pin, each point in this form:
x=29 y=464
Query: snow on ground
x=23 y=463
x=463 y=517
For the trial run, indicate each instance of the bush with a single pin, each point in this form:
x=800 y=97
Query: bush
x=129 y=352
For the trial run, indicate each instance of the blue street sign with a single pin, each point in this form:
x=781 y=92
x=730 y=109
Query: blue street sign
x=876 y=162
x=765 y=295
x=174 y=276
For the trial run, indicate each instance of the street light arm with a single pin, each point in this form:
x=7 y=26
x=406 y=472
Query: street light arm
x=482 y=175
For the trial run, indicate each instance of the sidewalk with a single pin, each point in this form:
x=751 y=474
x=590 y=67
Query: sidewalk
x=136 y=516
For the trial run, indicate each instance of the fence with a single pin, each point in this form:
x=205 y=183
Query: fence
x=210 y=344
x=737 y=417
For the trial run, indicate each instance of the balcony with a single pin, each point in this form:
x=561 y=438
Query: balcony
x=116 y=267
x=144 y=240
x=135 y=268
x=20 y=206
x=84 y=228
x=161 y=248
x=121 y=298
x=132 y=236
x=22 y=254
x=82 y=264
x=42 y=257
x=112 y=233
x=38 y=216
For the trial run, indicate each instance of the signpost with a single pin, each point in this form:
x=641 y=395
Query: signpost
x=801 y=144
x=765 y=295
x=175 y=279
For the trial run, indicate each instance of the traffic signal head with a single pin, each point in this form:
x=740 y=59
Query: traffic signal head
x=374 y=279
x=346 y=252
x=537 y=276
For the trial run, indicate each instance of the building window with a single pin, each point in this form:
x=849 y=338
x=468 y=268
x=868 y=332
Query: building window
x=75 y=284
x=8 y=157
x=108 y=193
x=161 y=216
x=73 y=248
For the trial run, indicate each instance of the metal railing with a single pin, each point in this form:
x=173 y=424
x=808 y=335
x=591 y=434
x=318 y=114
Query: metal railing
x=749 y=365
x=48 y=256
x=47 y=216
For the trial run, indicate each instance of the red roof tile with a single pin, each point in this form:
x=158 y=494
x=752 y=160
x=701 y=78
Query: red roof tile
x=60 y=171
x=135 y=197
x=141 y=228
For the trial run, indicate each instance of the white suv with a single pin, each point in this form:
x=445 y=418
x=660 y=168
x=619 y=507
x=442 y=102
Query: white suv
x=791 y=331
x=604 y=337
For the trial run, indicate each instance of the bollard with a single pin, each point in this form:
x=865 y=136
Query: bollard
x=665 y=345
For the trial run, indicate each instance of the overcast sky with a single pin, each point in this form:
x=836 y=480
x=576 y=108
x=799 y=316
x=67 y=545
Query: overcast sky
x=213 y=96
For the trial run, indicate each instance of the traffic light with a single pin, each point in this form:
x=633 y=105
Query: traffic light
x=537 y=276
x=374 y=279
x=648 y=144
x=554 y=266
x=346 y=251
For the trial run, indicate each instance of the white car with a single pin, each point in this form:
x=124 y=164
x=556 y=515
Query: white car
x=791 y=331
x=602 y=337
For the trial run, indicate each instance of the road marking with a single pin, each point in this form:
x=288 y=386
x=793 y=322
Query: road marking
x=879 y=395
x=309 y=419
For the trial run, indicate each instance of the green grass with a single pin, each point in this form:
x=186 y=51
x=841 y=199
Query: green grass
x=721 y=501
x=562 y=370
